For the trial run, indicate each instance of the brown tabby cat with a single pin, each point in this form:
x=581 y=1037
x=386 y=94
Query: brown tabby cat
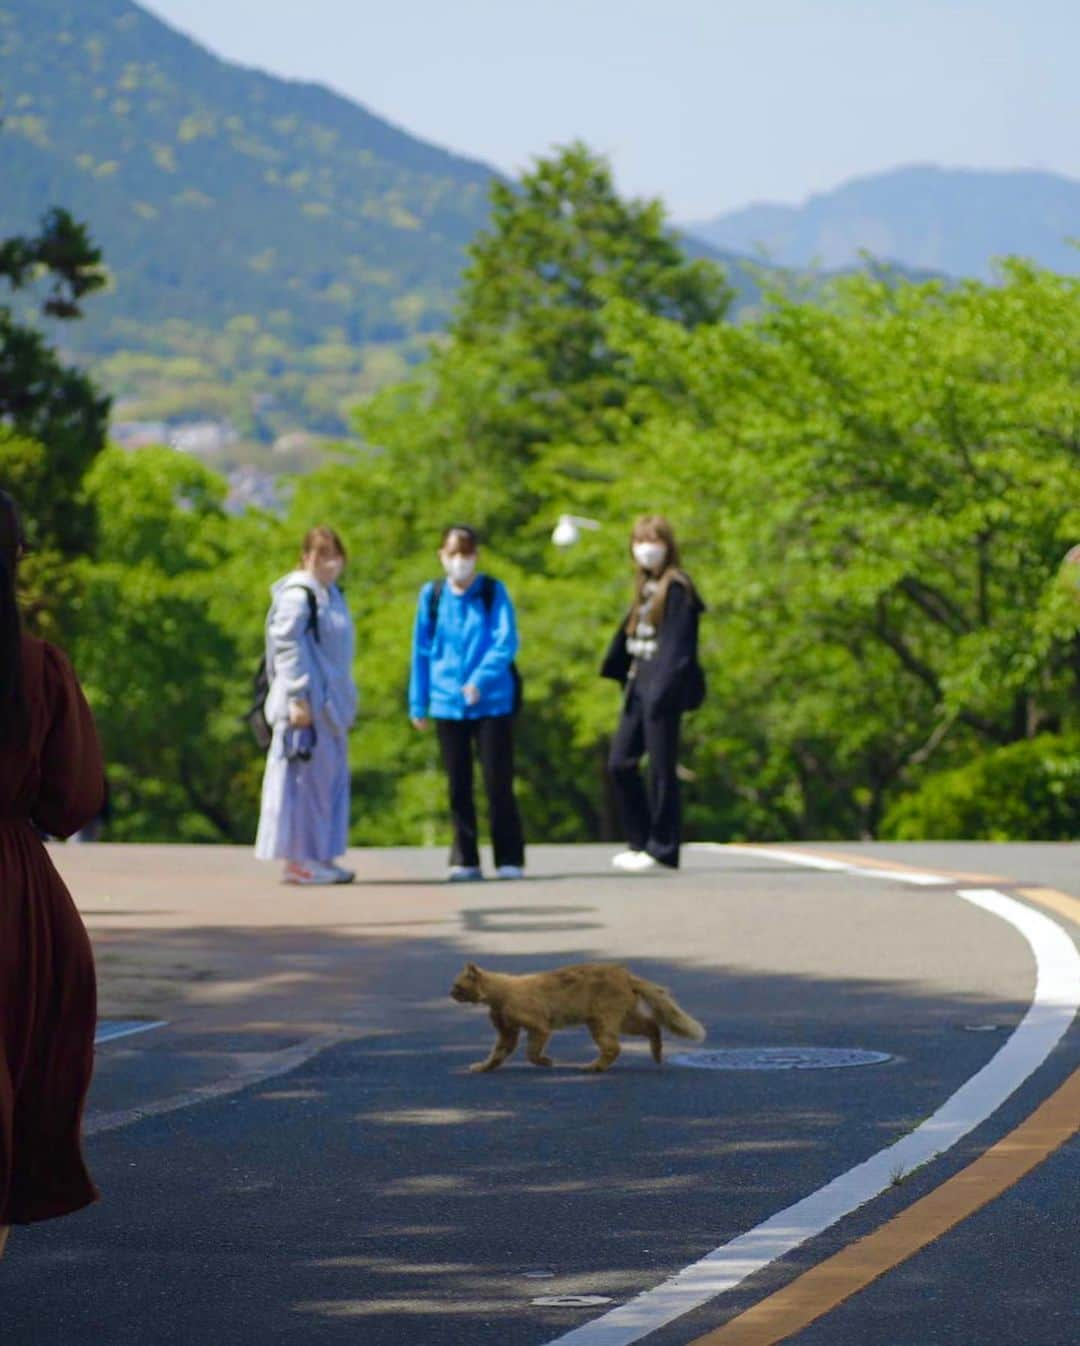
x=604 y=996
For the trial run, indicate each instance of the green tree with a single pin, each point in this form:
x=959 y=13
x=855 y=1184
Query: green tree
x=527 y=392
x=42 y=399
x=879 y=489
x=52 y=419
x=522 y=405
x=168 y=630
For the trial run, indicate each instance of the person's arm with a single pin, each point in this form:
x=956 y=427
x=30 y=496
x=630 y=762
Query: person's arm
x=420 y=669
x=616 y=663
x=71 y=792
x=677 y=648
x=504 y=644
x=288 y=626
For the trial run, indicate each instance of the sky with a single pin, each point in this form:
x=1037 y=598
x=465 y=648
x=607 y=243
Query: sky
x=709 y=104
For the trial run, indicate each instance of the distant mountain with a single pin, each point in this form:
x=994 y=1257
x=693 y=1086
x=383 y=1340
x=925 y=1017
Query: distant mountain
x=955 y=221
x=218 y=191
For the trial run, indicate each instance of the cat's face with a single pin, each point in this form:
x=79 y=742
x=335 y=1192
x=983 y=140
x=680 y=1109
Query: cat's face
x=466 y=987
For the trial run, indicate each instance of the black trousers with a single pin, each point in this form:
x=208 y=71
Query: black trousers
x=493 y=736
x=650 y=817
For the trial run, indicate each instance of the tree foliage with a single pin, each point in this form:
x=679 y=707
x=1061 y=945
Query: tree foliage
x=52 y=418
x=880 y=487
x=875 y=487
x=41 y=399
x=168 y=632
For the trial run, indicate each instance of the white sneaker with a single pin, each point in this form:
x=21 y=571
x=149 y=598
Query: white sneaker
x=309 y=872
x=464 y=873
x=510 y=872
x=634 y=862
x=343 y=875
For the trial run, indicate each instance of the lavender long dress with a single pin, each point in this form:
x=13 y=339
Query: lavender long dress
x=305 y=805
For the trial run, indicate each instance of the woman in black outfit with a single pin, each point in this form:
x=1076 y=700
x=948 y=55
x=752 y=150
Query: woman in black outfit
x=654 y=656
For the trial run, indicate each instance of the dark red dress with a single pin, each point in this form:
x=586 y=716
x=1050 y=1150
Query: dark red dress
x=47 y=989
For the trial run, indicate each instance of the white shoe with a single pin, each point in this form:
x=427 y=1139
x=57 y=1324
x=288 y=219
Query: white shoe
x=464 y=873
x=510 y=872
x=634 y=862
x=343 y=875
x=309 y=872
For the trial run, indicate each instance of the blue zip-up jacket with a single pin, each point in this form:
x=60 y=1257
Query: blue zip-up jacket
x=468 y=644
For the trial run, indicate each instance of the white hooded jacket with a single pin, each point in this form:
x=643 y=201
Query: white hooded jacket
x=298 y=665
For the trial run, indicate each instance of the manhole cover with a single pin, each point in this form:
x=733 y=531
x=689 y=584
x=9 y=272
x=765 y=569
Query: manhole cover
x=779 y=1058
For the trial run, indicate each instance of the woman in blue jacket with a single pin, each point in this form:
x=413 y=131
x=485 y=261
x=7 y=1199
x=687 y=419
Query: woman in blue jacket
x=463 y=677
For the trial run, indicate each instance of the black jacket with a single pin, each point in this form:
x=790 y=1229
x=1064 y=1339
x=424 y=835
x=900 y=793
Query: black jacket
x=673 y=679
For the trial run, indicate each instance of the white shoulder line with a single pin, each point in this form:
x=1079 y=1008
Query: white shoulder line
x=812 y=861
x=259 y=1067
x=1053 y=1007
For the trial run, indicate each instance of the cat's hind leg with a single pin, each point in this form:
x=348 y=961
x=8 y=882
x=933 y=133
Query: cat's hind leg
x=607 y=1042
x=644 y=1026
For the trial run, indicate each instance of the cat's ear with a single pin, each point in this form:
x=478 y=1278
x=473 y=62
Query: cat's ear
x=472 y=969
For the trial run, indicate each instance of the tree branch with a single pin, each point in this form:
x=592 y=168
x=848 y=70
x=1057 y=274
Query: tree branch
x=935 y=604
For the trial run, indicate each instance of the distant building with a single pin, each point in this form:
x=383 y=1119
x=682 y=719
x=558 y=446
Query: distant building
x=138 y=434
x=204 y=439
x=251 y=488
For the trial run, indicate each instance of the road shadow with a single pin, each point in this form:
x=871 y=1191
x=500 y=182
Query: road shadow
x=382 y=1193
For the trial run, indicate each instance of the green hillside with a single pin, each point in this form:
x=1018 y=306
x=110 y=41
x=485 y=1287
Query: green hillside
x=275 y=251
x=222 y=195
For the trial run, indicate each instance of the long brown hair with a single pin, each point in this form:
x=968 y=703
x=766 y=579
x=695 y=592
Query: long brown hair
x=12 y=543
x=647 y=528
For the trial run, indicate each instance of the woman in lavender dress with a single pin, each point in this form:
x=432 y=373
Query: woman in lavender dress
x=310 y=705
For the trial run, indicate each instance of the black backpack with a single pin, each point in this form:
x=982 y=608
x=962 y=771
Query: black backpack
x=487 y=593
x=255 y=717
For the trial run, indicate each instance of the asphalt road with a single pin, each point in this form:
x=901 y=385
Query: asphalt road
x=378 y=1193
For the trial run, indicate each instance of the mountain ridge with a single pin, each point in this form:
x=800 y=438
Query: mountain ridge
x=950 y=220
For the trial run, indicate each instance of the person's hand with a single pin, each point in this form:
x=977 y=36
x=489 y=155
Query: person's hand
x=300 y=714
x=419 y=722
x=471 y=693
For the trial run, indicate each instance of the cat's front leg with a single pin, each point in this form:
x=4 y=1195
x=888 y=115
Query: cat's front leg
x=504 y=1045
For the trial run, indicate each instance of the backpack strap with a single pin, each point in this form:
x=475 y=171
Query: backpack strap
x=434 y=598
x=313 y=610
x=487 y=594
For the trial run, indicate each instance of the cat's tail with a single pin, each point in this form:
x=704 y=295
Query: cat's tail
x=665 y=1010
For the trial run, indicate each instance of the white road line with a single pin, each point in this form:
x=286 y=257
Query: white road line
x=1053 y=1008
x=266 y=1067
x=822 y=862
x=108 y=1030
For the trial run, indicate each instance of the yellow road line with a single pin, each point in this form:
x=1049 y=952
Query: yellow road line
x=819 y=1290
x=1062 y=903
x=901 y=866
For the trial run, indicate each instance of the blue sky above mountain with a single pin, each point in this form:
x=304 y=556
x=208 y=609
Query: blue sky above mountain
x=707 y=105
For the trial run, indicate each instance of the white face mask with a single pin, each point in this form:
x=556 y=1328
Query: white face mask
x=460 y=568
x=326 y=569
x=650 y=555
